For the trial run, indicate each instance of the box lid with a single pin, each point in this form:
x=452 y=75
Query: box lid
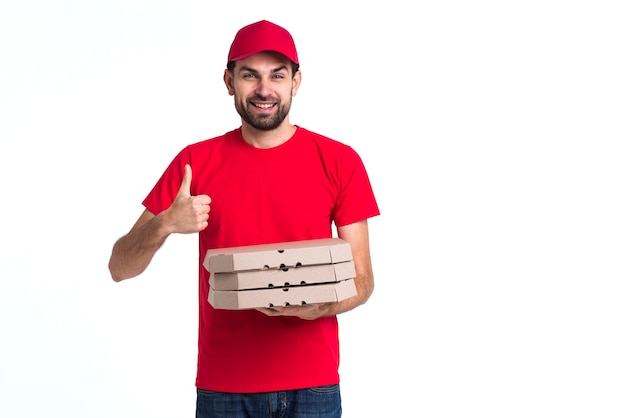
x=286 y=254
x=288 y=276
x=285 y=296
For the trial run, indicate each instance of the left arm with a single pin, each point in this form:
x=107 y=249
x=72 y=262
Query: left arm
x=357 y=234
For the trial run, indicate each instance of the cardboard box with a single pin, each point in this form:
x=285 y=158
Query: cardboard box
x=268 y=256
x=288 y=276
x=282 y=296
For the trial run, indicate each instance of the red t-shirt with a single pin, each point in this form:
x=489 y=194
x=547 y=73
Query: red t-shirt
x=291 y=192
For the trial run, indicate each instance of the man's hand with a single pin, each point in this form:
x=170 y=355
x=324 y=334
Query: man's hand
x=309 y=312
x=188 y=214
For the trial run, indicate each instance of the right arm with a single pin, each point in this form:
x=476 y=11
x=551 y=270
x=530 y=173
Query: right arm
x=133 y=252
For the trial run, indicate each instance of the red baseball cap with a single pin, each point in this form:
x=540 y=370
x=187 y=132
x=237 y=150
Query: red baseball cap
x=262 y=36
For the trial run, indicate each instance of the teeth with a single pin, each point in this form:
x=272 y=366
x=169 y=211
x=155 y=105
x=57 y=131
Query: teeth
x=264 y=106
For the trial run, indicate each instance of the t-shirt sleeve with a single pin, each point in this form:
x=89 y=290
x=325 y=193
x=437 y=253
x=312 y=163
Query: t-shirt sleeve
x=165 y=190
x=356 y=200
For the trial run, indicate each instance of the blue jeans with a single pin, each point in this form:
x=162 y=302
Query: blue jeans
x=318 y=402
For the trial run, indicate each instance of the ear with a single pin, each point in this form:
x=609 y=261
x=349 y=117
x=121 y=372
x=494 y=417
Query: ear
x=295 y=83
x=228 y=80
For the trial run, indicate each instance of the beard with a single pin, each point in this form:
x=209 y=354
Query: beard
x=263 y=122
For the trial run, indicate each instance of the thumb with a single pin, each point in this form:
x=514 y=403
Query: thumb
x=185 y=185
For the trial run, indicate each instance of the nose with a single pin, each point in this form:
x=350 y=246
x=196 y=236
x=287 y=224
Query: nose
x=263 y=88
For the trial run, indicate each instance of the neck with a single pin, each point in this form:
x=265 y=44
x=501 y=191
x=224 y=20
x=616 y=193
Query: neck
x=267 y=139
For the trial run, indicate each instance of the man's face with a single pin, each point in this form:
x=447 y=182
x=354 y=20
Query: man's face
x=263 y=86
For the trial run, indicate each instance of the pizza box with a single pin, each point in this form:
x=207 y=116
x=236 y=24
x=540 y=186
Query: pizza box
x=282 y=296
x=281 y=277
x=277 y=255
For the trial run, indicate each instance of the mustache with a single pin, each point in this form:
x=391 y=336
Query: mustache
x=262 y=98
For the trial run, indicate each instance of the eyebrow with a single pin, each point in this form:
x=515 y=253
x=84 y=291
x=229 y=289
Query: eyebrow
x=275 y=70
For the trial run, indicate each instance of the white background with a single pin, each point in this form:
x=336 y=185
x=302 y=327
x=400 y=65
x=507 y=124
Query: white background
x=492 y=132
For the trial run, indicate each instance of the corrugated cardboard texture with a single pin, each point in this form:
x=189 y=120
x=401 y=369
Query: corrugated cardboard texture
x=268 y=256
x=289 y=276
x=295 y=295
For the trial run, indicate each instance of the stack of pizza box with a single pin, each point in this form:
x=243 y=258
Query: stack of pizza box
x=280 y=274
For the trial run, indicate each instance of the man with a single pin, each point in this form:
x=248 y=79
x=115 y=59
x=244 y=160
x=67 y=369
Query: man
x=267 y=181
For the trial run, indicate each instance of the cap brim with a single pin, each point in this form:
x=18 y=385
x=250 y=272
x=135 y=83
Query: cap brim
x=241 y=57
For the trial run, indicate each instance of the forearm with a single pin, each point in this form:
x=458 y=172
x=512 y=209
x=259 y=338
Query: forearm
x=357 y=235
x=188 y=214
x=364 y=283
x=133 y=252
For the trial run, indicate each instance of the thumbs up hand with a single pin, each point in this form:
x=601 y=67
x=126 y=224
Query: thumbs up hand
x=188 y=214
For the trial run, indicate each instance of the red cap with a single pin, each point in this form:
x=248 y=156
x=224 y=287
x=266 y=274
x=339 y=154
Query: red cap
x=262 y=36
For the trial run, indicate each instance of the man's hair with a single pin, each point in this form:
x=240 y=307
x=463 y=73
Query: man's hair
x=294 y=67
